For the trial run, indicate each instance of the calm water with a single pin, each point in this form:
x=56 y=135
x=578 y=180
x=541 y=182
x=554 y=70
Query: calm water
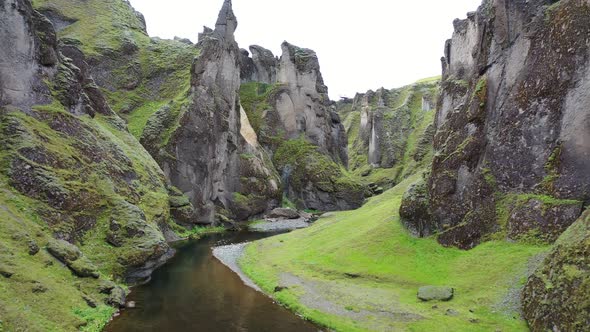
x=194 y=292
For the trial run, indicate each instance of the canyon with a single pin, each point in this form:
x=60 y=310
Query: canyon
x=117 y=145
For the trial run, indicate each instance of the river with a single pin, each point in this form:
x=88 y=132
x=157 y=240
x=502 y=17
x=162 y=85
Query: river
x=195 y=292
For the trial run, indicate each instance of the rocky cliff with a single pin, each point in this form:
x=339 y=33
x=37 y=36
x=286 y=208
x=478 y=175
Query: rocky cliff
x=512 y=147
x=77 y=191
x=288 y=105
x=512 y=126
x=210 y=152
x=390 y=131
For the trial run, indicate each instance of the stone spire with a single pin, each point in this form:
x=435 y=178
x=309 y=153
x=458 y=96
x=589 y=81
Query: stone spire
x=226 y=22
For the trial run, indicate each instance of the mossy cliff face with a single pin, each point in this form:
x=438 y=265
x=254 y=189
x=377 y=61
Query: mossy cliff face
x=512 y=149
x=390 y=131
x=138 y=74
x=288 y=105
x=69 y=170
x=556 y=295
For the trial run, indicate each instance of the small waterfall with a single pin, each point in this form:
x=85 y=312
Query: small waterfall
x=287 y=170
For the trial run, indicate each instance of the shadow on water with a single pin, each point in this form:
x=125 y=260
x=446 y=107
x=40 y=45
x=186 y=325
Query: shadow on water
x=195 y=292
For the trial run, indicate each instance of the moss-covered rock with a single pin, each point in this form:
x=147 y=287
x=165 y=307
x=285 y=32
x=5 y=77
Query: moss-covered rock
x=415 y=211
x=72 y=257
x=556 y=296
x=512 y=126
x=84 y=268
x=540 y=217
x=314 y=181
x=435 y=293
x=138 y=74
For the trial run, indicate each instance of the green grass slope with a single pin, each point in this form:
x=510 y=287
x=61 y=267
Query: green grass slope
x=360 y=270
x=71 y=177
x=41 y=294
x=139 y=75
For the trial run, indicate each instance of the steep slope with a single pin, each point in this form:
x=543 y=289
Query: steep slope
x=360 y=271
x=288 y=105
x=77 y=192
x=138 y=74
x=390 y=131
x=512 y=149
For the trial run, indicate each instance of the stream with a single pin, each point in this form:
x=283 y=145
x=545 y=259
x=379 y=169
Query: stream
x=195 y=292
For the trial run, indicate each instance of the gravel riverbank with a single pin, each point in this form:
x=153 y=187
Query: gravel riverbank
x=229 y=255
x=278 y=225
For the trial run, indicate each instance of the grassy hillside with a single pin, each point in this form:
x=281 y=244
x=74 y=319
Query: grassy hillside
x=360 y=270
x=40 y=288
x=138 y=74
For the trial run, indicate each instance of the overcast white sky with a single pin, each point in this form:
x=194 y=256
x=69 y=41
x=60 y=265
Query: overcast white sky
x=361 y=45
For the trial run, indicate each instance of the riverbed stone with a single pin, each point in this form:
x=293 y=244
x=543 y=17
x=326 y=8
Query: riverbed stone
x=283 y=213
x=435 y=293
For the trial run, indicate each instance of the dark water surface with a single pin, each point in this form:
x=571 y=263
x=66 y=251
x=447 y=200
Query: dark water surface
x=195 y=292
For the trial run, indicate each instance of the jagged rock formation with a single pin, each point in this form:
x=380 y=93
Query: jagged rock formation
x=208 y=154
x=555 y=298
x=512 y=144
x=298 y=99
x=261 y=67
x=70 y=170
x=139 y=75
x=288 y=105
x=390 y=129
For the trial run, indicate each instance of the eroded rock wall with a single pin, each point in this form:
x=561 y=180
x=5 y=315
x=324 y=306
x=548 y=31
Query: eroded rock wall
x=207 y=157
x=287 y=102
x=390 y=129
x=511 y=144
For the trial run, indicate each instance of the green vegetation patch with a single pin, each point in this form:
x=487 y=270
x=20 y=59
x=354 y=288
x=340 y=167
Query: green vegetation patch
x=40 y=288
x=366 y=261
x=255 y=97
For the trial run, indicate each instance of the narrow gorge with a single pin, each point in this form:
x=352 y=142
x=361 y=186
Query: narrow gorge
x=455 y=203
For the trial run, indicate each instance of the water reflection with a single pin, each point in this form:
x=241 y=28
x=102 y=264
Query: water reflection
x=195 y=292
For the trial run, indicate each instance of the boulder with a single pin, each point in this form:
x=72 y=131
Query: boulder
x=38 y=288
x=117 y=297
x=83 y=268
x=6 y=272
x=33 y=247
x=435 y=293
x=72 y=257
x=63 y=251
x=106 y=286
